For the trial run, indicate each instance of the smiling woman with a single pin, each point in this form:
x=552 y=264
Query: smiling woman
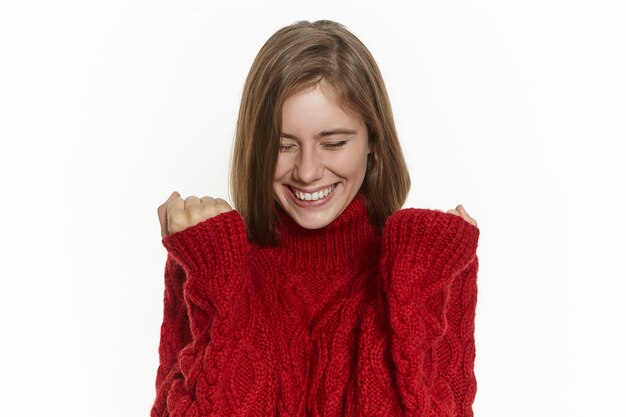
x=318 y=295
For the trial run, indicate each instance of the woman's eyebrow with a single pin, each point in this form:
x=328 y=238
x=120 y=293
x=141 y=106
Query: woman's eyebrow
x=324 y=133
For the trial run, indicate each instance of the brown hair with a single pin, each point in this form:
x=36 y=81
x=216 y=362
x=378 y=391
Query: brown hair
x=294 y=59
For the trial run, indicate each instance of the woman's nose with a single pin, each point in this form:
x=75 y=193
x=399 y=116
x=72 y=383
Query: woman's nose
x=309 y=166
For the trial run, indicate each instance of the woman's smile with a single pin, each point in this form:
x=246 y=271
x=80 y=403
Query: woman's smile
x=318 y=195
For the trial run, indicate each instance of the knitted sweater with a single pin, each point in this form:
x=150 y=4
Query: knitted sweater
x=338 y=321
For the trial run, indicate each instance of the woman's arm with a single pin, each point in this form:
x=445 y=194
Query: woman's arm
x=175 y=332
x=429 y=268
x=211 y=323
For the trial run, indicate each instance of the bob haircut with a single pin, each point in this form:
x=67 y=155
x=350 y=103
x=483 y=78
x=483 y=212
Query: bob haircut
x=292 y=60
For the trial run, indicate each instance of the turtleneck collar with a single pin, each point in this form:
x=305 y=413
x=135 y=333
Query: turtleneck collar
x=347 y=243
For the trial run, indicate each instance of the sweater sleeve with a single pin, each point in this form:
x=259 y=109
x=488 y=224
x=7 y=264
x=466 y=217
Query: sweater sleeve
x=175 y=333
x=429 y=268
x=207 y=332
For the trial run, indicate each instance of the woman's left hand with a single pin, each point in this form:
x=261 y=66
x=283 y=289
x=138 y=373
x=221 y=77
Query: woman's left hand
x=460 y=211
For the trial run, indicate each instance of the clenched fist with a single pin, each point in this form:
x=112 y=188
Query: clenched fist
x=177 y=214
x=460 y=211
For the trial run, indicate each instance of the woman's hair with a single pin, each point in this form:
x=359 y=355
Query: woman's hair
x=294 y=59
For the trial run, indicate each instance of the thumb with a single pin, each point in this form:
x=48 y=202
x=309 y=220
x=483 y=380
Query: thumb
x=163 y=214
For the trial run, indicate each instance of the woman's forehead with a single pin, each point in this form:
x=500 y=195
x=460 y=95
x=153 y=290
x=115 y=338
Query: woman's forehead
x=332 y=95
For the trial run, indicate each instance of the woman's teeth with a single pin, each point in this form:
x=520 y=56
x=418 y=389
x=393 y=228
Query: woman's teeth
x=313 y=196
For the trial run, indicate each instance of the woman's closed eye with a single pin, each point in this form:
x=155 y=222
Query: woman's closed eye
x=286 y=147
x=334 y=145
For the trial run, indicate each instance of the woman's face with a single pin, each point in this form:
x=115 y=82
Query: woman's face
x=322 y=158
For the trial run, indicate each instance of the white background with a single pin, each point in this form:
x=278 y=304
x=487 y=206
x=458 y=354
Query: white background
x=514 y=109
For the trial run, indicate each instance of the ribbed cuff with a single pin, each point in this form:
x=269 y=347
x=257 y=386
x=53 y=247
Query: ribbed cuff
x=437 y=244
x=214 y=246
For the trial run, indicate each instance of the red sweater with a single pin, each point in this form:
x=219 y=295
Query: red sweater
x=339 y=321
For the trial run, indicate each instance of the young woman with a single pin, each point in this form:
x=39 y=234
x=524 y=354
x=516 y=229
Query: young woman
x=318 y=295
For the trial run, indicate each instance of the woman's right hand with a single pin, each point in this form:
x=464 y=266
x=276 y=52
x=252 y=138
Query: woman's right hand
x=177 y=214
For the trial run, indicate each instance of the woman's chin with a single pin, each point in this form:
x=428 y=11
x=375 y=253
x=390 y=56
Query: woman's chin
x=312 y=223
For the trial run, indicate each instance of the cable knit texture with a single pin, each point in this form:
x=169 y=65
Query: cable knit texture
x=338 y=321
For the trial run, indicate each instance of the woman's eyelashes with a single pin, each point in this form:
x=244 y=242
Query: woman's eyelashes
x=290 y=147
x=335 y=145
x=286 y=147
